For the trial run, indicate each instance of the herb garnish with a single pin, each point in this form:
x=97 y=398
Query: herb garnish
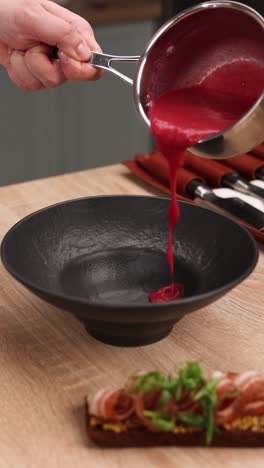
x=189 y=379
x=207 y=397
x=161 y=419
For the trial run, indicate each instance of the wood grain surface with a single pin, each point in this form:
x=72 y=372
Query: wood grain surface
x=48 y=363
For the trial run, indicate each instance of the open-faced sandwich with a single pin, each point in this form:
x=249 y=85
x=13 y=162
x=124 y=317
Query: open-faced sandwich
x=153 y=409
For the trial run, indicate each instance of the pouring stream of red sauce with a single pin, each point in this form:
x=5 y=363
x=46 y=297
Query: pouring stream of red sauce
x=203 y=75
x=179 y=119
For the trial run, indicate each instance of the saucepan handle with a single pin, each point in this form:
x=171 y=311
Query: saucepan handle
x=104 y=61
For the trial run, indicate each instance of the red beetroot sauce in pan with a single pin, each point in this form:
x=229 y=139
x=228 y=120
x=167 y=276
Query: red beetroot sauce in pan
x=182 y=117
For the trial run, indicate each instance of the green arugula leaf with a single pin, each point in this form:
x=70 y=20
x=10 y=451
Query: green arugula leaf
x=149 y=382
x=157 y=414
x=193 y=419
x=189 y=380
x=164 y=398
x=161 y=419
x=190 y=377
x=208 y=398
x=207 y=391
x=164 y=425
x=210 y=427
x=178 y=390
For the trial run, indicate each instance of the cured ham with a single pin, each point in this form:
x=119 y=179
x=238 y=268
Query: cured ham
x=183 y=404
x=239 y=395
x=115 y=405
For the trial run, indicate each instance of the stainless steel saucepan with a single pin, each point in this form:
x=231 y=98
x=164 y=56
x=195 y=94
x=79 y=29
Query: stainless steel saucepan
x=185 y=51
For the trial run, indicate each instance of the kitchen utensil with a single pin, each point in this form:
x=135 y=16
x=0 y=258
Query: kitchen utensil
x=193 y=185
x=100 y=257
x=248 y=165
x=156 y=185
x=185 y=51
x=235 y=206
x=258 y=183
x=220 y=175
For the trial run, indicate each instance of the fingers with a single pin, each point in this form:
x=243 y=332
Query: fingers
x=20 y=74
x=45 y=22
x=81 y=25
x=33 y=70
x=75 y=70
x=49 y=73
x=72 y=35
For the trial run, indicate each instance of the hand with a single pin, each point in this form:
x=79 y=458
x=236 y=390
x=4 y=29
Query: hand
x=29 y=29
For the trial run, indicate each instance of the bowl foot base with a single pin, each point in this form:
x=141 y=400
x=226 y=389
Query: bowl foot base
x=129 y=335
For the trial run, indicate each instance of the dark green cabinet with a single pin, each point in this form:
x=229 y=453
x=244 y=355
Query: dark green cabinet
x=78 y=126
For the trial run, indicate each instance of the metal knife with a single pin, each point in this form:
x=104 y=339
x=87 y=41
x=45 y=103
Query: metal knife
x=220 y=175
x=190 y=184
x=234 y=206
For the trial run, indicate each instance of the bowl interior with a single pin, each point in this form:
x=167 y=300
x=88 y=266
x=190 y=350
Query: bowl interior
x=111 y=250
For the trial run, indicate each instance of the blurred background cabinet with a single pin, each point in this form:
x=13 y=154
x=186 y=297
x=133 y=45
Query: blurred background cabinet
x=83 y=125
x=172 y=7
x=78 y=126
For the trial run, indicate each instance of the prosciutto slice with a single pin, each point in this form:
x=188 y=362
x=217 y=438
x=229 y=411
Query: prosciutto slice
x=239 y=395
x=113 y=405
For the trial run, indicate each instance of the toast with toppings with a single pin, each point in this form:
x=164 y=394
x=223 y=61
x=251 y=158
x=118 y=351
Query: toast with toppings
x=180 y=409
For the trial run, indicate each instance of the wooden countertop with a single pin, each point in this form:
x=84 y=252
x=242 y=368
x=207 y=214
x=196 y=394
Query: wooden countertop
x=48 y=363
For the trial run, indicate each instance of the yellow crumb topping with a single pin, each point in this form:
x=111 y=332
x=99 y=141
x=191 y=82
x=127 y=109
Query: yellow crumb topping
x=114 y=426
x=247 y=423
x=93 y=422
x=185 y=430
x=117 y=426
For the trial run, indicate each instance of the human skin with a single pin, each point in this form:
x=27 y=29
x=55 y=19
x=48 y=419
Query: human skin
x=28 y=31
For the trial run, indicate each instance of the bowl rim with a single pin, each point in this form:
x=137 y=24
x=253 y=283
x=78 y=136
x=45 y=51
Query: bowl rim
x=45 y=292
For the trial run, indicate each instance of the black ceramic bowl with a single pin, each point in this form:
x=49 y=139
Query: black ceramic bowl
x=99 y=258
